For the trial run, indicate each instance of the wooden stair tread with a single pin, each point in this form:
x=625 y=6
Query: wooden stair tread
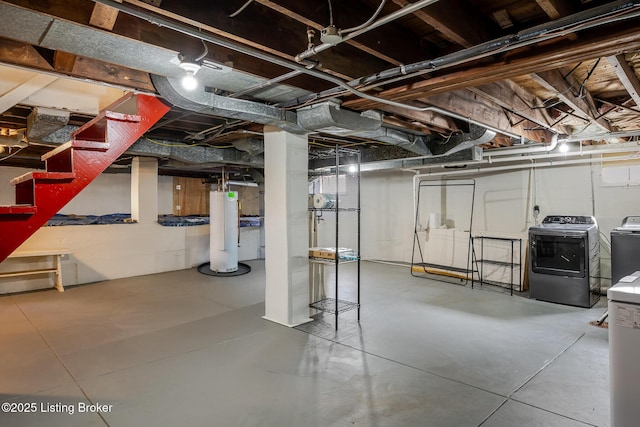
x=53 y=176
x=18 y=209
x=77 y=145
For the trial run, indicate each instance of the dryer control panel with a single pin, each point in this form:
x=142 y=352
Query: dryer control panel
x=631 y=222
x=568 y=219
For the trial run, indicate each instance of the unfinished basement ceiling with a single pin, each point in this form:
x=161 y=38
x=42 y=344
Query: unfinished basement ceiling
x=399 y=79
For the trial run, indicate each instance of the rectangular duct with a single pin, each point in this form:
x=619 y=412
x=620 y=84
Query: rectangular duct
x=23 y=24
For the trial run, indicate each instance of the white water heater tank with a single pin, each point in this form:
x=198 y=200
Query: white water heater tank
x=223 y=234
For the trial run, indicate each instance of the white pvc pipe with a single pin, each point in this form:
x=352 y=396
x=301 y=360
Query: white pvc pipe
x=489 y=160
x=542 y=148
x=518 y=153
x=532 y=164
x=242 y=183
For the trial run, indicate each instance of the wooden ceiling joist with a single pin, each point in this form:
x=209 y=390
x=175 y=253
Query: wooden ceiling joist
x=466 y=104
x=627 y=76
x=525 y=62
x=104 y=16
x=384 y=48
x=565 y=88
x=466 y=27
x=555 y=8
x=517 y=100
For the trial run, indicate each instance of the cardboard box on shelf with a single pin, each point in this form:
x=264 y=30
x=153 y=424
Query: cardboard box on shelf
x=330 y=253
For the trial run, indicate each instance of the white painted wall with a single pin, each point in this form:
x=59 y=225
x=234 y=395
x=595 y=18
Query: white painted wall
x=104 y=252
x=503 y=206
x=109 y=193
x=7 y=192
x=387 y=216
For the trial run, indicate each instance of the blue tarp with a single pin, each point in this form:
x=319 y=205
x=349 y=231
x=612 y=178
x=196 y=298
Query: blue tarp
x=117 y=218
x=182 y=221
x=165 y=220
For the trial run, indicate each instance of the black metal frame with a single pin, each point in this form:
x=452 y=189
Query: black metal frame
x=416 y=240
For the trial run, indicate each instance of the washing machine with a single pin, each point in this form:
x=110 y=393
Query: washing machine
x=624 y=347
x=625 y=248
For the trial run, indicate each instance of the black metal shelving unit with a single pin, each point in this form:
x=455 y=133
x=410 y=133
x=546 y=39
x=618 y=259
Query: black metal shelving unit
x=512 y=263
x=336 y=305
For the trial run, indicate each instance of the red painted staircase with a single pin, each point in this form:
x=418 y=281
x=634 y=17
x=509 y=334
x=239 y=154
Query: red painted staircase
x=73 y=165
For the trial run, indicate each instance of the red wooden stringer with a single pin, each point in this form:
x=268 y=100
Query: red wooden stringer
x=73 y=165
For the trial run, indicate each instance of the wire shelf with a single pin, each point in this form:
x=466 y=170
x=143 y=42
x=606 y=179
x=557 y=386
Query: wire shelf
x=328 y=305
x=334 y=209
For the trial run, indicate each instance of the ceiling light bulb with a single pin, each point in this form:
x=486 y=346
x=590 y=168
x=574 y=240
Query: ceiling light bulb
x=189 y=81
x=563 y=147
x=353 y=169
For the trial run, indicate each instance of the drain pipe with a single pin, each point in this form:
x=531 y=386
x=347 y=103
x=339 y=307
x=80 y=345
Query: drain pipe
x=531 y=164
x=542 y=155
x=507 y=151
x=392 y=16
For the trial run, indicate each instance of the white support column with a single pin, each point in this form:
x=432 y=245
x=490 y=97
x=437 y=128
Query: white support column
x=286 y=230
x=144 y=190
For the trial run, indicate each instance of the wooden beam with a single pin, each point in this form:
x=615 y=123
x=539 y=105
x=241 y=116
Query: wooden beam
x=627 y=76
x=503 y=18
x=64 y=61
x=417 y=125
x=24 y=90
x=564 y=86
x=467 y=104
x=513 y=97
x=428 y=117
x=557 y=9
x=262 y=29
x=25 y=55
x=104 y=16
x=554 y=8
x=526 y=61
x=385 y=48
x=466 y=27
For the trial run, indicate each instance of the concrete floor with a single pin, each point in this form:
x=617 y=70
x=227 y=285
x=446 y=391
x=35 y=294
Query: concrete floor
x=186 y=349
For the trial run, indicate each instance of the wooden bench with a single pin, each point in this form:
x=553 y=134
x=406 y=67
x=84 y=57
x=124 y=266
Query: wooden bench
x=56 y=269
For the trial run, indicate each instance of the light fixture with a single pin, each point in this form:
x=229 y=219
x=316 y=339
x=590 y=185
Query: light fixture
x=563 y=147
x=189 y=81
x=353 y=169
